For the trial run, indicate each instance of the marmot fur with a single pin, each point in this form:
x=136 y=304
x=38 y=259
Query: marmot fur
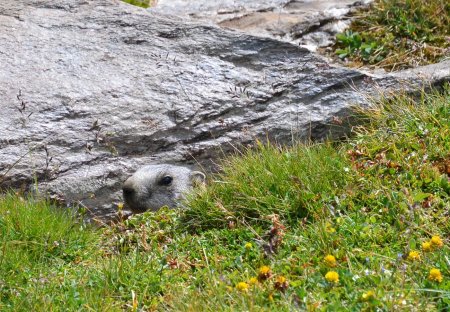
x=154 y=186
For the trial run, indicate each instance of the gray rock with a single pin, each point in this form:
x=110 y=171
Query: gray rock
x=311 y=24
x=91 y=90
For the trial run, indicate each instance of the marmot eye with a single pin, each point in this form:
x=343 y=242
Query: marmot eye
x=166 y=180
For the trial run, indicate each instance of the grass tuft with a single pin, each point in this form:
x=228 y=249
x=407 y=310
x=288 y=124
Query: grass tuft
x=293 y=183
x=398 y=34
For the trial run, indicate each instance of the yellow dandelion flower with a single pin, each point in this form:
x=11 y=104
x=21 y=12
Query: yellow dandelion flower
x=329 y=228
x=248 y=246
x=281 y=283
x=426 y=246
x=253 y=281
x=264 y=273
x=330 y=261
x=435 y=275
x=436 y=241
x=270 y=297
x=242 y=286
x=368 y=296
x=264 y=269
x=413 y=255
x=332 y=277
x=120 y=206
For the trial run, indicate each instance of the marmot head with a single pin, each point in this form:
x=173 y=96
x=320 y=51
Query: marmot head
x=154 y=186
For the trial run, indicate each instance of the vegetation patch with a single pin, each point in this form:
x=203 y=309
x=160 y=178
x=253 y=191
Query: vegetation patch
x=140 y=3
x=292 y=183
x=397 y=34
x=356 y=225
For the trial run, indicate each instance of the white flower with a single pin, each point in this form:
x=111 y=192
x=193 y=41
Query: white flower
x=355 y=277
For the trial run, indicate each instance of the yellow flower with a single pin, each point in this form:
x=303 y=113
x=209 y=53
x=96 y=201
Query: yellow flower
x=253 y=281
x=248 y=246
x=426 y=246
x=330 y=261
x=332 y=277
x=281 y=283
x=329 y=228
x=242 y=286
x=413 y=255
x=436 y=241
x=264 y=273
x=120 y=206
x=368 y=295
x=435 y=275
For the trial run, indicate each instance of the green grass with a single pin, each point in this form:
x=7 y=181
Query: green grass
x=397 y=34
x=290 y=182
x=368 y=201
x=140 y=3
x=39 y=245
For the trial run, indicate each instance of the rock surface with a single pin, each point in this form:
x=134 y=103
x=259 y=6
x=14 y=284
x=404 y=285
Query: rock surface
x=311 y=24
x=93 y=89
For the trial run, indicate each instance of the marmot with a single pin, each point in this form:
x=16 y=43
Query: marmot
x=154 y=186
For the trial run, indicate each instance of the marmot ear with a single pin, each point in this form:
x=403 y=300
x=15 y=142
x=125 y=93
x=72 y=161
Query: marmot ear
x=197 y=178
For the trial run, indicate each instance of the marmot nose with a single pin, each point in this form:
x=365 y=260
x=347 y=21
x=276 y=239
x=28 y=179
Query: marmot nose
x=128 y=191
